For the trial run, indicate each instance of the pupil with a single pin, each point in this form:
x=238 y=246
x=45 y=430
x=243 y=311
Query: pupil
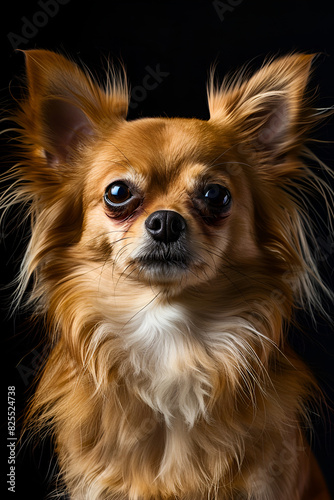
x=217 y=195
x=213 y=193
x=119 y=193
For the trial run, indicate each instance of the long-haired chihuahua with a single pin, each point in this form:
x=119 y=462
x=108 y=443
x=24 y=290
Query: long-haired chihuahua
x=168 y=257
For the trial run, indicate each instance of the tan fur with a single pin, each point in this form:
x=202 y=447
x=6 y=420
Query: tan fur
x=177 y=384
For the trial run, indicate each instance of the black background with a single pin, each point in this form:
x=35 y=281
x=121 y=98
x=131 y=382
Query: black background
x=182 y=40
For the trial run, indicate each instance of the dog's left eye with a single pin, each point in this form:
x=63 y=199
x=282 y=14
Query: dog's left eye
x=213 y=203
x=217 y=196
x=117 y=194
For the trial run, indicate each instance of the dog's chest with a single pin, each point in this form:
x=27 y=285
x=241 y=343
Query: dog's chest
x=168 y=363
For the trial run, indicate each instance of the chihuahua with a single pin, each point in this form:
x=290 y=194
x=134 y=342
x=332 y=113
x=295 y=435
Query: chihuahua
x=168 y=257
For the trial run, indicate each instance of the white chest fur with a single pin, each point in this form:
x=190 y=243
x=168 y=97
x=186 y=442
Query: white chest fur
x=168 y=363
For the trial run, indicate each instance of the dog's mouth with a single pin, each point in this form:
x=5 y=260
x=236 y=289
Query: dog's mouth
x=175 y=262
x=163 y=263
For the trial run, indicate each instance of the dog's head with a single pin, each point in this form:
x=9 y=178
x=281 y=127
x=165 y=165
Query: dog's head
x=167 y=204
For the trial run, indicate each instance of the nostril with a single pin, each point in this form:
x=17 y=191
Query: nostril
x=176 y=223
x=156 y=224
x=165 y=225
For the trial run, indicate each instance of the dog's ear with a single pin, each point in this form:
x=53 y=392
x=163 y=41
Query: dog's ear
x=268 y=110
x=65 y=106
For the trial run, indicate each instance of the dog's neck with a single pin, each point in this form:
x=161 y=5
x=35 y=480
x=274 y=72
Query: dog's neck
x=177 y=358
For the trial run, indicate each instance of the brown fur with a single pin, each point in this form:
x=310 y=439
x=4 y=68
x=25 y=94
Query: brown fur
x=179 y=383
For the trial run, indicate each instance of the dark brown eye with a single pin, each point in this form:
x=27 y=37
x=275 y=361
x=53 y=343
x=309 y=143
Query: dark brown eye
x=217 y=196
x=117 y=194
x=213 y=203
x=122 y=200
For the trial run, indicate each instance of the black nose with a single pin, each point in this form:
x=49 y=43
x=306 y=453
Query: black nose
x=165 y=225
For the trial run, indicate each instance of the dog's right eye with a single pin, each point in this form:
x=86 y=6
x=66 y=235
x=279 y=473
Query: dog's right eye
x=121 y=200
x=118 y=193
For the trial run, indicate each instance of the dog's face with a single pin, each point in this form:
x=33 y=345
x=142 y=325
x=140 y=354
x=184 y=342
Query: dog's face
x=167 y=201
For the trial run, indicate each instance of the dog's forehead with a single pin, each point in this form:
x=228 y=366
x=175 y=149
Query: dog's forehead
x=166 y=142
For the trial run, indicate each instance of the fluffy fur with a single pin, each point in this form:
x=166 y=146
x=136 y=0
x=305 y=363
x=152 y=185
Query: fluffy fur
x=169 y=375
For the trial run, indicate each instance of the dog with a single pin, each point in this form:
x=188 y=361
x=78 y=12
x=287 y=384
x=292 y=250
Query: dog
x=167 y=258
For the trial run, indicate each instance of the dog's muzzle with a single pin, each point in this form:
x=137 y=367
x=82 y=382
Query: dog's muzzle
x=165 y=250
x=165 y=226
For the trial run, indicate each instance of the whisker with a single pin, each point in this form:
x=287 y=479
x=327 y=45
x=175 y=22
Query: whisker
x=141 y=310
x=121 y=152
x=212 y=164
